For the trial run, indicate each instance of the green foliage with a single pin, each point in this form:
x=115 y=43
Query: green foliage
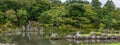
x=110 y=5
x=22 y=16
x=11 y=15
x=2 y=20
x=70 y=15
x=96 y=3
x=75 y=9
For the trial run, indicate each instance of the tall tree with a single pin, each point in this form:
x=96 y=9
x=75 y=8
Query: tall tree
x=2 y=18
x=108 y=8
x=97 y=8
x=110 y=5
x=96 y=3
x=85 y=2
x=36 y=7
x=76 y=12
x=74 y=1
x=56 y=3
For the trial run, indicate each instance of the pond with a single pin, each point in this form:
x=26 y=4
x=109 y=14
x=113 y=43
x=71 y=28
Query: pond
x=35 y=38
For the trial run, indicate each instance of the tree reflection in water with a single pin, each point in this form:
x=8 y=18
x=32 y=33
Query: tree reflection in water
x=31 y=38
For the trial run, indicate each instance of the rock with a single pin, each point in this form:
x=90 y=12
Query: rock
x=54 y=36
x=104 y=34
x=92 y=33
x=118 y=37
x=98 y=37
x=78 y=36
x=94 y=37
x=112 y=37
x=69 y=36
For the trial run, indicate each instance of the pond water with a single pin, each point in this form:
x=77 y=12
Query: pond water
x=30 y=38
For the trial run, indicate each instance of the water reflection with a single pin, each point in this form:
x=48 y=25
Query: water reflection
x=6 y=44
x=35 y=38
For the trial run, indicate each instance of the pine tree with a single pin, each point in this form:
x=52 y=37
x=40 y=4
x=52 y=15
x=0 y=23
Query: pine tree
x=110 y=5
x=108 y=8
x=97 y=8
x=85 y=2
x=74 y=1
x=96 y=3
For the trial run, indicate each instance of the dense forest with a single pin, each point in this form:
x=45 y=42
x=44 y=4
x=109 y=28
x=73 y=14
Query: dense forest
x=70 y=15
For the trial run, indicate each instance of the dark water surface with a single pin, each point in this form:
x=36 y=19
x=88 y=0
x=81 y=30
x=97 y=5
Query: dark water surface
x=30 y=38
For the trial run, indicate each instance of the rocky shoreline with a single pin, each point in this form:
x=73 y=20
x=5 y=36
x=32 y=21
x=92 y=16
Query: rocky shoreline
x=92 y=35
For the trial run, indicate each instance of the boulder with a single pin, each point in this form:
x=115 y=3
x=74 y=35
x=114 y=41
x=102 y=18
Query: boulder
x=54 y=36
x=78 y=36
x=104 y=36
x=112 y=37
x=69 y=36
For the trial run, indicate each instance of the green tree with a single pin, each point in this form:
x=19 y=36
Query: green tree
x=96 y=4
x=52 y=16
x=77 y=12
x=11 y=16
x=109 y=5
x=107 y=16
x=2 y=18
x=74 y=1
x=22 y=16
x=85 y=2
x=97 y=8
x=36 y=7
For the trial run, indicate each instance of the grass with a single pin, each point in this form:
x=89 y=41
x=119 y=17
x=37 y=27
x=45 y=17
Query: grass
x=114 y=44
x=85 y=34
x=101 y=44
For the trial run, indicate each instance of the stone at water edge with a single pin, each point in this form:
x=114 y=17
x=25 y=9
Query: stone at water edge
x=77 y=35
x=54 y=36
x=69 y=36
x=92 y=33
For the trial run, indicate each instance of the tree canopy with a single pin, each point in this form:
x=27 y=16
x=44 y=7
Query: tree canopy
x=77 y=14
